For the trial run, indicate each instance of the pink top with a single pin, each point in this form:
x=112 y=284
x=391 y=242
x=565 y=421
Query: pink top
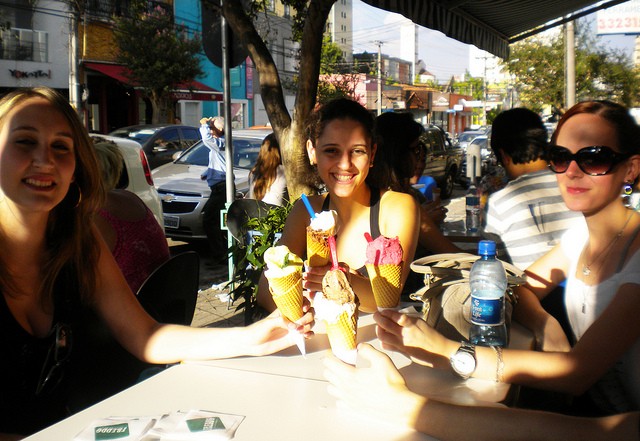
x=140 y=247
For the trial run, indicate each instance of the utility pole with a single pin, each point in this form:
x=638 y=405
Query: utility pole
x=570 y=64
x=379 y=43
x=74 y=84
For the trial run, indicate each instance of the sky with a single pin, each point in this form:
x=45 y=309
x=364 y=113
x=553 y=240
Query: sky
x=442 y=55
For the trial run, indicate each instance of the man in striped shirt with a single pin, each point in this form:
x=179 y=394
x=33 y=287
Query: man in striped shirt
x=528 y=216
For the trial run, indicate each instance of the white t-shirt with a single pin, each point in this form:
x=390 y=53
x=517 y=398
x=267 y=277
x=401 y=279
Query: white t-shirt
x=595 y=298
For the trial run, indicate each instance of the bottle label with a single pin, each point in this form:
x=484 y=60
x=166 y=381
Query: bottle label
x=486 y=311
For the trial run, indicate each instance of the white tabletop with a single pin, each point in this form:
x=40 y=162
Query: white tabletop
x=432 y=382
x=277 y=408
x=283 y=396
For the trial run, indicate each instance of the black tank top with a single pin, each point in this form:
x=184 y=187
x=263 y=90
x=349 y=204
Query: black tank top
x=374 y=222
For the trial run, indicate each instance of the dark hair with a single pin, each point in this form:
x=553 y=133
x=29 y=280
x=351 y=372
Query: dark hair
x=265 y=170
x=394 y=133
x=520 y=134
x=618 y=116
x=340 y=108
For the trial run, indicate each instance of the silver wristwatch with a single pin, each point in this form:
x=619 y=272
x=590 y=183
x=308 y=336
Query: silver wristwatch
x=463 y=362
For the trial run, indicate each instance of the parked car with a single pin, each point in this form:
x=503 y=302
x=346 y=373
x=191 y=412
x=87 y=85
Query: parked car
x=184 y=194
x=443 y=159
x=136 y=174
x=465 y=138
x=160 y=141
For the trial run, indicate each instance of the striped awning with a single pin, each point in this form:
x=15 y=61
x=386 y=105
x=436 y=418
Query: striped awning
x=491 y=25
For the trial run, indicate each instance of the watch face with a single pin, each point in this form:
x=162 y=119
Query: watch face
x=463 y=362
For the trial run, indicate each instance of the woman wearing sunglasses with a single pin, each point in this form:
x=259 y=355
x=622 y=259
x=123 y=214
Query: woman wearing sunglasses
x=596 y=155
x=53 y=264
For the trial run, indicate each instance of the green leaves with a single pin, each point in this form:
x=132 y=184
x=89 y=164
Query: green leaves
x=249 y=261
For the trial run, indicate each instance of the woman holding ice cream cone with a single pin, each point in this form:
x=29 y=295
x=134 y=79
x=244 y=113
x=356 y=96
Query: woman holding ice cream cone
x=340 y=143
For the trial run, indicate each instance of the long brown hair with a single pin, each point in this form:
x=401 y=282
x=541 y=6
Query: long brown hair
x=71 y=245
x=266 y=168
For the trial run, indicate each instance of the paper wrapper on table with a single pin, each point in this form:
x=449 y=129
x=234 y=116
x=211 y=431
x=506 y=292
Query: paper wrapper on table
x=385 y=284
x=287 y=294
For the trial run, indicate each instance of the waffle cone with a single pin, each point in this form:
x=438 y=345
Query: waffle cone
x=287 y=294
x=342 y=334
x=318 y=252
x=385 y=284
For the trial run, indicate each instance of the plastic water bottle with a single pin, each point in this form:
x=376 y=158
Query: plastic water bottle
x=472 y=205
x=488 y=281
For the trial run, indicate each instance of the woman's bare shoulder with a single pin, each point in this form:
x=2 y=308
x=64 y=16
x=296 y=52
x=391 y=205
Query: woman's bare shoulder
x=396 y=200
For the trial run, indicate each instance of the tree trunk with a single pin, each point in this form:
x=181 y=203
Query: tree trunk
x=289 y=131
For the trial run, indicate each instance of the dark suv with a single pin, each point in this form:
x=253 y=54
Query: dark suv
x=443 y=159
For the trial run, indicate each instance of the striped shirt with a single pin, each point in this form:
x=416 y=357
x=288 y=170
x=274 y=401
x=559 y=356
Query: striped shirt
x=527 y=218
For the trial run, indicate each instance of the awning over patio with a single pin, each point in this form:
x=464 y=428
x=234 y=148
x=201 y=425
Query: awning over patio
x=195 y=90
x=491 y=25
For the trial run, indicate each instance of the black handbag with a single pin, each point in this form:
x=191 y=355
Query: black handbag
x=446 y=295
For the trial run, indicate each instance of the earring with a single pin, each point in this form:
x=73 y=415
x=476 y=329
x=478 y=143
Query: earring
x=627 y=189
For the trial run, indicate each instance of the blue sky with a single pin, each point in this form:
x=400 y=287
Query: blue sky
x=443 y=56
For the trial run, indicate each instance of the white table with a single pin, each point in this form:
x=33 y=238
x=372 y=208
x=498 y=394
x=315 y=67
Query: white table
x=283 y=396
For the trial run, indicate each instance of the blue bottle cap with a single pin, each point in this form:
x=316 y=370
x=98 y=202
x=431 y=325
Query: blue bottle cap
x=487 y=248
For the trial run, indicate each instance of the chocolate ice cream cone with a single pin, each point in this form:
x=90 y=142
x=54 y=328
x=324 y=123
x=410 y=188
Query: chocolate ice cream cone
x=318 y=252
x=343 y=332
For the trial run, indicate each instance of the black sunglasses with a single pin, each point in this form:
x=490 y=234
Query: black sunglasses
x=596 y=160
x=53 y=367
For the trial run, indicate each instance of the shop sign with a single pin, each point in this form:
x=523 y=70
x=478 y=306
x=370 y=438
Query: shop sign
x=20 y=74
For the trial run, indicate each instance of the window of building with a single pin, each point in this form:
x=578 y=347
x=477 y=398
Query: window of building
x=25 y=45
x=287 y=11
x=271 y=5
x=291 y=55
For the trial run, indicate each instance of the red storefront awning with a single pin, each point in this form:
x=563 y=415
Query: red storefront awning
x=194 y=90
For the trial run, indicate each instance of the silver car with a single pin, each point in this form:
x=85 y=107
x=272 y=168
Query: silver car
x=184 y=194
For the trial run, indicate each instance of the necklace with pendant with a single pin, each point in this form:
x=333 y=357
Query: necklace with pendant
x=586 y=268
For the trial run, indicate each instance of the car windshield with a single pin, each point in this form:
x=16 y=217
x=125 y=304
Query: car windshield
x=480 y=140
x=140 y=135
x=245 y=153
x=466 y=137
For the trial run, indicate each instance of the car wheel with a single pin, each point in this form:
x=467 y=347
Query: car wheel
x=447 y=186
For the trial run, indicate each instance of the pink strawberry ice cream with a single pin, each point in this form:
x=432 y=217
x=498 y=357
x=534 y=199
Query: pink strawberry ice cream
x=384 y=251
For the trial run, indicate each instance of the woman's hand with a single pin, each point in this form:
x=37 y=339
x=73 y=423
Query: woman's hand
x=312 y=277
x=410 y=335
x=271 y=334
x=379 y=390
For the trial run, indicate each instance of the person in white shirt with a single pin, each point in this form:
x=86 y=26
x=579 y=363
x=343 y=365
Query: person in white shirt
x=212 y=132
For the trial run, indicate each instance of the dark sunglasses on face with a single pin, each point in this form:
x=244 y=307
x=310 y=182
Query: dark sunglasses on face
x=595 y=160
x=53 y=367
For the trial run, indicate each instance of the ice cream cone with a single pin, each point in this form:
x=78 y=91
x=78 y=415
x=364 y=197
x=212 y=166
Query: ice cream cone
x=287 y=294
x=318 y=252
x=343 y=332
x=385 y=284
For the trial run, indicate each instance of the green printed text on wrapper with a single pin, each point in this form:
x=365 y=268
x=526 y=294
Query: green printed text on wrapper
x=114 y=431
x=205 y=424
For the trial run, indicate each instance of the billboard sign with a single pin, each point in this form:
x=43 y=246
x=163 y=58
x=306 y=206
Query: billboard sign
x=620 y=19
